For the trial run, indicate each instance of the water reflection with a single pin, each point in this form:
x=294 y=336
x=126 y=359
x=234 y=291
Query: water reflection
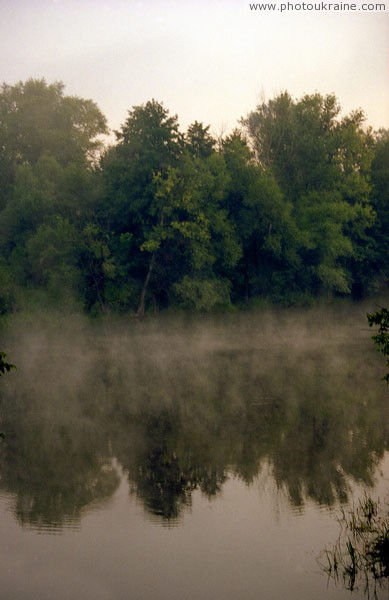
x=183 y=409
x=55 y=470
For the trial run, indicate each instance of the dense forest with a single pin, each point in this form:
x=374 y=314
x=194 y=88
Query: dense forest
x=290 y=207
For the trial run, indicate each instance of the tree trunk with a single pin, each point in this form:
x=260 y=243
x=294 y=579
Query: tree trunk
x=97 y=288
x=141 y=307
x=142 y=301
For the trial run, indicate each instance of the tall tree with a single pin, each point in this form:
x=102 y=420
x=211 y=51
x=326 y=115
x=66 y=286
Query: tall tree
x=199 y=141
x=149 y=143
x=164 y=190
x=321 y=162
x=37 y=118
x=49 y=144
x=266 y=230
x=378 y=265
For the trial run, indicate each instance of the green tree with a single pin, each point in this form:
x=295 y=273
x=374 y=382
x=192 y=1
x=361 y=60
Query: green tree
x=37 y=118
x=263 y=220
x=192 y=243
x=163 y=196
x=148 y=143
x=52 y=253
x=381 y=338
x=49 y=145
x=377 y=247
x=321 y=162
x=198 y=140
x=199 y=229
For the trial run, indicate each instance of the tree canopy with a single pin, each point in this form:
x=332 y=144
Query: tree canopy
x=289 y=207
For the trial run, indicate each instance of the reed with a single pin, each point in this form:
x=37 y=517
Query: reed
x=361 y=554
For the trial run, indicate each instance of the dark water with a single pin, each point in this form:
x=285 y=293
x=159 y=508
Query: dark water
x=186 y=460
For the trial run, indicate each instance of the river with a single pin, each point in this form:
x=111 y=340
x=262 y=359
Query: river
x=186 y=458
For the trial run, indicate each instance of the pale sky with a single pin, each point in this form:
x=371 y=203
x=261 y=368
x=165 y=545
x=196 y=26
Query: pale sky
x=206 y=60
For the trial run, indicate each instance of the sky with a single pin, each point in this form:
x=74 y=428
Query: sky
x=212 y=61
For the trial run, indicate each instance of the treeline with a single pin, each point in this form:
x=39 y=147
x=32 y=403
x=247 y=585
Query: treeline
x=290 y=207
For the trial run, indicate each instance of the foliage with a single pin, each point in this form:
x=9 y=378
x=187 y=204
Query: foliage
x=36 y=117
x=361 y=554
x=381 y=339
x=377 y=246
x=290 y=207
x=202 y=294
x=322 y=164
x=5 y=366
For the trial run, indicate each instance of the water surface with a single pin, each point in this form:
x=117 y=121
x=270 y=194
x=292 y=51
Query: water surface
x=186 y=459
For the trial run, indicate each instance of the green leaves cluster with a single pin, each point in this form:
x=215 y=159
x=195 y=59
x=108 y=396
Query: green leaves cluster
x=5 y=366
x=289 y=207
x=381 y=338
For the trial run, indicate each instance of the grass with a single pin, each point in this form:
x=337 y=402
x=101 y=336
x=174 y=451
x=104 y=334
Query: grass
x=361 y=553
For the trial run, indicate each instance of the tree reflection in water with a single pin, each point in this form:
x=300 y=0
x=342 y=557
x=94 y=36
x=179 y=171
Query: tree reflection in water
x=184 y=410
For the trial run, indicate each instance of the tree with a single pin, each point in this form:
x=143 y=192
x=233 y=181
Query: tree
x=49 y=144
x=198 y=140
x=290 y=207
x=304 y=142
x=167 y=190
x=381 y=339
x=192 y=242
x=37 y=118
x=149 y=143
x=200 y=233
x=265 y=227
x=52 y=253
x=377 y=247
x=322 y=217
x=321 y=163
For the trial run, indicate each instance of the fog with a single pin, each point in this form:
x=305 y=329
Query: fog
x=63 y=358
x=181 y=403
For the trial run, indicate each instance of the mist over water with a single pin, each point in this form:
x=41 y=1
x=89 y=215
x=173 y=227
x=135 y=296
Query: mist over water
x=182 y=402
x=177 y=408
